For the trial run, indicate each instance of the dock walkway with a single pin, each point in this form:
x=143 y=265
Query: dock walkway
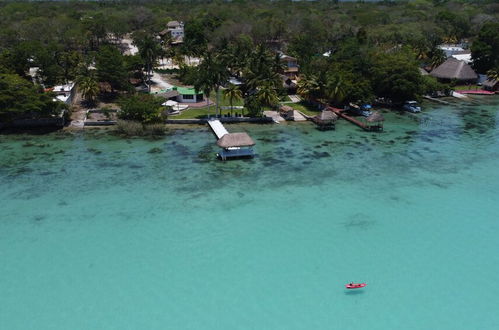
x=341 y=114
x=436 y=100
x=217 y=128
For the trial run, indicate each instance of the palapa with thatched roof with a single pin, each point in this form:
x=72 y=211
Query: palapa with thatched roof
x=325 y=120
x=375 y=121
x=454 y=69
x=233 y=140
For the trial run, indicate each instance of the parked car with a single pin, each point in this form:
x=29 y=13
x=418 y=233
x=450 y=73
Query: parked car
x=411 y=106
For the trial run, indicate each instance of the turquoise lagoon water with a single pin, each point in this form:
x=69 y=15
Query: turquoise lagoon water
x=100 y=232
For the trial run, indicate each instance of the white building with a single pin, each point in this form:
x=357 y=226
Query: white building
x=176 y=30
x=450 y=49
x=65 y=93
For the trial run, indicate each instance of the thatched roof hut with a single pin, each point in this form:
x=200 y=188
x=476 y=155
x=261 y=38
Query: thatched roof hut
x=231 y=140
x=375 y=121
x=326 y=119
x=376 y=117
x=454 y=69
x=326 y=116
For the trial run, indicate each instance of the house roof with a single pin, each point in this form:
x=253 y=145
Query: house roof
x=172 y=24
x=285 y=57
x=169 y=94
x=164 y=32
x=235 y=140
x=454 y=69
x=186 y=90
x=423 y=72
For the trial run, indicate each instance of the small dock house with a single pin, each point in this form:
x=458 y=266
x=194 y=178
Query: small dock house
x=375 y=122
x=325 y=120
x=236 y=145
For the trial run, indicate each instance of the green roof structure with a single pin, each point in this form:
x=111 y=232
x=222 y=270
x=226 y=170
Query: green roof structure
x=186 y=90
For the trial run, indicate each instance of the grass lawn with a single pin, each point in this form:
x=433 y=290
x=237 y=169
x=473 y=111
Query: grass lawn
x=306 y=108
x=199 y=113
x=466 y=87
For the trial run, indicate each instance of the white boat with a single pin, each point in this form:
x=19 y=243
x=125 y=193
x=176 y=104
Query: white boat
x=411 y=106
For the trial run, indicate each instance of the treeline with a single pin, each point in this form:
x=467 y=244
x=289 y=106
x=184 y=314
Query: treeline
x=375 y=48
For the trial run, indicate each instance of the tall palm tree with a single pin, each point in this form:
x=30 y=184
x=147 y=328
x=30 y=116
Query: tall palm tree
x=267 y=95
x=233 y=93
x=89 y=88
x=211 y=74
x=335 y=90
x=308 y=87
x=149 y=51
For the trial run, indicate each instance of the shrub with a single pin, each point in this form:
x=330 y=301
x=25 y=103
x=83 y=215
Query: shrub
x=129 y=128
x=143 y=108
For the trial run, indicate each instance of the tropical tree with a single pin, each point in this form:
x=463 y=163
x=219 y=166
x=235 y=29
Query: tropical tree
x=149 y=51
x=111 y=68
x=308 y=87
x=211 y=74
x=266 y=94
x=335 y=89
x=233 y=93
x=19 y=98
x=493 y=74
x=89 y=88
x=144 y=108
x=485 y=50
x=437 y=57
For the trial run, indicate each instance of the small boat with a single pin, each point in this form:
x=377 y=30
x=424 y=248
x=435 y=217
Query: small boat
x=355 y=285
x=363 y=110
x=411 y=106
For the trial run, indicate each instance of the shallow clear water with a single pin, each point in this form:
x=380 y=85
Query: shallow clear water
x=99 y=232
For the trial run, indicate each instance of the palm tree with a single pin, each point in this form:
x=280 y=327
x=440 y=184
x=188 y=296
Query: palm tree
x=267 y=95
x=493 y=74
x=89 y=88
x=308 y=87
x=149 y=51
x=335 y=89
x=211 y=75
x=233 y=93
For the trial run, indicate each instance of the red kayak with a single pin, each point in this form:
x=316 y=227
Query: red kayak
x=355 y=285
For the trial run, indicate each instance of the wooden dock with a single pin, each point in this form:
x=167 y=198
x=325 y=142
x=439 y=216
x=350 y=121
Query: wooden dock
x=340 y=113
x=217 y=128
x=436 y=100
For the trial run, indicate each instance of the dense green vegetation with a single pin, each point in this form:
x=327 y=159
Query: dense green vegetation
x=19 y=98
x=375 y=48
